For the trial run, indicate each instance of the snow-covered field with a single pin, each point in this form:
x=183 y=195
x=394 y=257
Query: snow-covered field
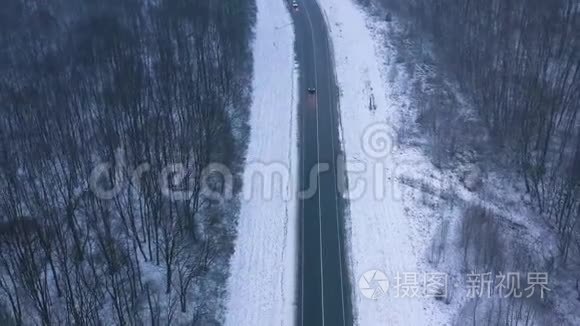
x=383 y=231
x=261 y=286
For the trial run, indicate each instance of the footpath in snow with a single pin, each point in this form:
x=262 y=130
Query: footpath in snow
x=380 y=234
x=262 y=282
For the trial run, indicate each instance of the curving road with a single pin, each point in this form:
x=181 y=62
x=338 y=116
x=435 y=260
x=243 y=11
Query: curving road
x=324 y=289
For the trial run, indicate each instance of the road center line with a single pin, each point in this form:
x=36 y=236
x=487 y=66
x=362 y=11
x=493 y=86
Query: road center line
x=318 y=161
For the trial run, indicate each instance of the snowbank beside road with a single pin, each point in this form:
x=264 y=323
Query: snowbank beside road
x=262 y=282
x=381 y=235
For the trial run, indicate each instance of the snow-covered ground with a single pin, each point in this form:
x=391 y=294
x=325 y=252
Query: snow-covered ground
x=262 y=283
x=382 y=232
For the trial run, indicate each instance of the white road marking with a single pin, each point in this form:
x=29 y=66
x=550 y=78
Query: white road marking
x=318 y=171
x=336 y=180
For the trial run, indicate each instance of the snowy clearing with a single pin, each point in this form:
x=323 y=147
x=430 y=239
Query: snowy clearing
x=261 y=286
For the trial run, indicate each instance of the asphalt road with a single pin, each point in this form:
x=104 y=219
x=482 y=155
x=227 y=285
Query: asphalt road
x=324 y=290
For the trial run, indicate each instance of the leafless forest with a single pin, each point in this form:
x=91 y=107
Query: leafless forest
x=140 y=86
x=517 y=65
x=520 y=62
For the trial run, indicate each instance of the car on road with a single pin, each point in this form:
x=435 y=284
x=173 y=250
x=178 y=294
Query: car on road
x=295 y=5
x=311 y=90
